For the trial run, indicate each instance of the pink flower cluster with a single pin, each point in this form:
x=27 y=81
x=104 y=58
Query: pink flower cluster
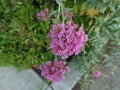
x=67 y=39
x=54 y=71
x=43 y=14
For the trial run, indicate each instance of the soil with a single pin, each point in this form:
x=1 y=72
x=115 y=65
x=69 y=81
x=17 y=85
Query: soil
x=76 y=87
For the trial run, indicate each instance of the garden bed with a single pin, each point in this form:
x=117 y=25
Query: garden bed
x=46 y=35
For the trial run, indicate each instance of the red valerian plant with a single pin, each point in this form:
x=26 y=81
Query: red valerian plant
x=66 y=39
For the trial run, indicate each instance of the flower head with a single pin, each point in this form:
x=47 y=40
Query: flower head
x=68 y=14
x=54 y=71
x=43 y=14
x=97 y=74
x=67 y=39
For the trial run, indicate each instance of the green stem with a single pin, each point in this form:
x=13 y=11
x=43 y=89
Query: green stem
x=58 y=16
x=63 y=15
x=84 y=59
x=60 y=9
x=55 y=57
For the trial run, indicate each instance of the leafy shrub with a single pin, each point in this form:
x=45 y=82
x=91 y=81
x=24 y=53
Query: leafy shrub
x=23 y=40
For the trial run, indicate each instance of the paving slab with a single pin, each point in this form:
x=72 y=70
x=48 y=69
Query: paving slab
x=10 y=79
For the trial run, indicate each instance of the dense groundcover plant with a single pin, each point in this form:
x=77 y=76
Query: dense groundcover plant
x=47 y=33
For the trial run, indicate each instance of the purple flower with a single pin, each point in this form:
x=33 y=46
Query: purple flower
x=43 y=14
x=97 y=74
x=54 y=71
x=67 y=39
x=68 y=14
